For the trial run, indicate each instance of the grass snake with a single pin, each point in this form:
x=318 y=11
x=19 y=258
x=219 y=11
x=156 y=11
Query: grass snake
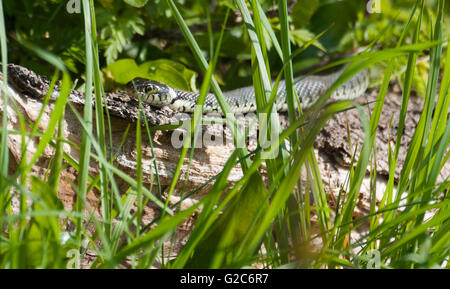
x=242 y=100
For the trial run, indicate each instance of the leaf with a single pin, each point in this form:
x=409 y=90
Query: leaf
x=302 y=36
x=164 y=70
x=169 y=72
x=302 y=12
x=420 y=78
x=41 y=244
x=136 y=3
x=233 y=230
x=124 y=70
x=117 y=32
x=335 y=17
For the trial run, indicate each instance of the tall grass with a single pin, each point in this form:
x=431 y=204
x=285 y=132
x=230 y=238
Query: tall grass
x=232 y=228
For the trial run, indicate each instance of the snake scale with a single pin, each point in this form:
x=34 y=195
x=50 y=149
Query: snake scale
x=242 y=100
x=157 y=94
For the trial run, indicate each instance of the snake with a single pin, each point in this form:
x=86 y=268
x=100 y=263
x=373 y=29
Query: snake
x=158 y=94
x=242 y=100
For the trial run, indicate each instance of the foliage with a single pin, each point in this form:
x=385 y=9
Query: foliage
x=147 y=30
x=169 y=40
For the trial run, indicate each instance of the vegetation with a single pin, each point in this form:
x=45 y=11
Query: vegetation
x=190 y=44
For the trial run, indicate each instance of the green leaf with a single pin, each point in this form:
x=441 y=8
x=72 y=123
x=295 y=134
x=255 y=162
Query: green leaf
x=136 y=3
x=124 y=70
x=336 y=17
x=169 y=72
x=302 y=12
x=420 y=78
x=164 y=70
x=303 y=36
x=118 y=31
x=234 y=229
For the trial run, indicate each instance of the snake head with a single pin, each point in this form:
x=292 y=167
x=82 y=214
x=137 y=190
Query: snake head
x=152 y=91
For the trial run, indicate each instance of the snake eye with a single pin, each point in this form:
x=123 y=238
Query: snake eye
x=155 y=92
x=149 y=90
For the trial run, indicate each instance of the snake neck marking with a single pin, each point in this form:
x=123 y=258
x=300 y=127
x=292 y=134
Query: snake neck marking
x=153 y=92
x=242 y=100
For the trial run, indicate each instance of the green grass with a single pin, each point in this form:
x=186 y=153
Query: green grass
x=231 y=228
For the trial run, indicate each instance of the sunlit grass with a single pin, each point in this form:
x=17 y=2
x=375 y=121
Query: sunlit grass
x=231 y=229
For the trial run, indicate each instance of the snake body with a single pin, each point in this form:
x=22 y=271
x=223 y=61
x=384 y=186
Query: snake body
x=242 y=100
